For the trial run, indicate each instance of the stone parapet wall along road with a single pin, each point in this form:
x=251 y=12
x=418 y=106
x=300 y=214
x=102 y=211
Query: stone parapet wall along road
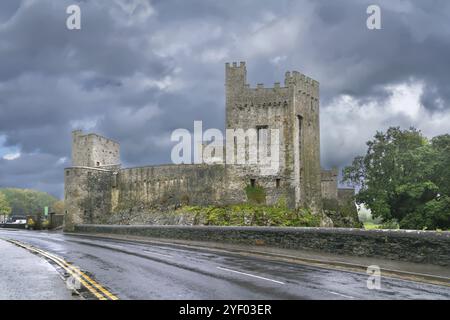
x=415 y=246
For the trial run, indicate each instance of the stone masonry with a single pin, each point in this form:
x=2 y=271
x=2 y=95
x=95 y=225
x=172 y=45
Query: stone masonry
x=96 y=185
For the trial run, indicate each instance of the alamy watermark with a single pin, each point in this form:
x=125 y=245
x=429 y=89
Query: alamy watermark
x=73 y=21
x=374 y=279
x=373 y=22
x=73 y=282
x=258 y=146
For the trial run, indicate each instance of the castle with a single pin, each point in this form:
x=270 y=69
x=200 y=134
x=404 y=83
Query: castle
x=96 y=185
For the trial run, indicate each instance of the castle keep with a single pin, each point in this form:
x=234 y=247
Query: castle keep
x=96 y=185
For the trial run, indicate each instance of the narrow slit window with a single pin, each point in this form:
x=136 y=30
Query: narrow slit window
x=300 y=124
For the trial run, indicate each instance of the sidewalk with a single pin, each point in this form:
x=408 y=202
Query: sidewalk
x=25 y=276
x=391 y=268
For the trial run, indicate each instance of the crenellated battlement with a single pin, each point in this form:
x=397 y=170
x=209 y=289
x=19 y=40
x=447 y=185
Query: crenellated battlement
x=236 y=81
x=235 y=64
x=235 y=75
x=305 y=84
x=297 y=77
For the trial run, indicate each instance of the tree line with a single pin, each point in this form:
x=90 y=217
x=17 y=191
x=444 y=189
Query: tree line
x=22 y=202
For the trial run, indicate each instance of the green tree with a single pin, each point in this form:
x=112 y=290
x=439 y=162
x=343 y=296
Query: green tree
x=58 y=207
x=441 y=175
x=404 y=177
x=25 y=201
x=5 y=208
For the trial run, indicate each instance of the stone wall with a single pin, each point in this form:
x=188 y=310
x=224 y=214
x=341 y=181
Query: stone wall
x=346 y=195
x=414 y=246
x=88 y=195
x=56 y=220
x=171 y=185
x=329 y=184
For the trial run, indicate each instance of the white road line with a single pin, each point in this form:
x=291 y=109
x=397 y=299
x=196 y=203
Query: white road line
x=159 y=254
x=145 y=250
x=342 y=295
x=115 y=246
x=124 y=249
x=250 y=275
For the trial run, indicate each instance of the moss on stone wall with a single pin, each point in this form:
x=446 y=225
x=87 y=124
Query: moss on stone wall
x=252 y=215
x=231 y=215
x=343 y=215
x=255 y=194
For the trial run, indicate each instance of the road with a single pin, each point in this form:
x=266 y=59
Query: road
x=132 y=270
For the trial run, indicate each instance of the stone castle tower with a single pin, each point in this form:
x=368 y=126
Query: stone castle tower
x=92 y=150
x=294 y=110
x=96 y=185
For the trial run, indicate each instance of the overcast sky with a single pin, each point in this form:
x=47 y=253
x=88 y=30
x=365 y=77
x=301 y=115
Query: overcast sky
x=139 y=69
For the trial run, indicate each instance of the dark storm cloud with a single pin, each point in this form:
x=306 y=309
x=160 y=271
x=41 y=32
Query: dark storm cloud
x=35 y=171
x=7 y=9
x=139 y=69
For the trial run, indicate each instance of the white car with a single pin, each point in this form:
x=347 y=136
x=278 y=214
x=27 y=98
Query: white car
x=20 y=221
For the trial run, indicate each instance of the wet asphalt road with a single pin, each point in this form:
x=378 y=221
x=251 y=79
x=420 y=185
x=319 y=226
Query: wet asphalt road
x=157 y=271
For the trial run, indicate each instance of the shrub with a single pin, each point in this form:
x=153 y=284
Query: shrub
x=45 y=224
x=253 y=215
x=434 y=214
x=389 y=224
x=31 y=223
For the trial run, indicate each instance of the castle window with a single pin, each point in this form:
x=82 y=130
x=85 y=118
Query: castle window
x=98 y=164
x=277 y=183
x=67 y=172
x=262 y=127
x=253 y=183
x=300 y=124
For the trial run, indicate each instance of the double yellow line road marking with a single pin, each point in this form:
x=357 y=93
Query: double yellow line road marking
x=91 y=285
